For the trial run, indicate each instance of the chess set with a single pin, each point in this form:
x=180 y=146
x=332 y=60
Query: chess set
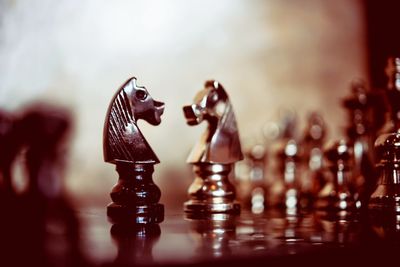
x=352 y=184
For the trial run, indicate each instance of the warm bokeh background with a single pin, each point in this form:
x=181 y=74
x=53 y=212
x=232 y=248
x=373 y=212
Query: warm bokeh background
x=269 y=55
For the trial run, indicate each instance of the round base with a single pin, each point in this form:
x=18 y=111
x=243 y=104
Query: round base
x=206 y=208
x=146 y=214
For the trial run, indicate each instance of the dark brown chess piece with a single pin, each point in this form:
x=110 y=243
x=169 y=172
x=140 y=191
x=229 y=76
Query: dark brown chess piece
x=43 y=130
x=392 y=92
x=336 y=195
x=216 y=152
x=361 y=135
x=312 y=178
x=8 y=152
x=387 y=193
x=135 y=196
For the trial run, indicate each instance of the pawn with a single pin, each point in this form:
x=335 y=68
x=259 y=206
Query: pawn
x=289 y=160
x=387 y=193
x=312 y=179
x=257 y=158
x=336 y=195
x=215 y=154
x=135 y=196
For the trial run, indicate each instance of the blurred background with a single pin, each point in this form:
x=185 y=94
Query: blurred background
x=271 y=56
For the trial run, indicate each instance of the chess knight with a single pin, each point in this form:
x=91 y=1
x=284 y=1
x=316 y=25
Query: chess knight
x=215 y=153
x=135 y=196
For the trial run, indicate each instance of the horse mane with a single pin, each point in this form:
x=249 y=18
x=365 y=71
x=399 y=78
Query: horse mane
x=123 y=140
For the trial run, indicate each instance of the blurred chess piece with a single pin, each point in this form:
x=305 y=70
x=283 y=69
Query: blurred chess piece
x=289 y=160
x=336 y=195
x=361 y=135
x=216 y=152
x=386 y=196
x=135 y=243
x=9 y=149
x=392 y=93
x=257 y=161
x=312 y=178
x=135 y=196
x=44 y=130
x=283 y=160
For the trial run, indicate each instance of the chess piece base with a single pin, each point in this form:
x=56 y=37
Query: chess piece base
x=387 y=194
x=196 y=207
x=211 y=190
x=146 y=214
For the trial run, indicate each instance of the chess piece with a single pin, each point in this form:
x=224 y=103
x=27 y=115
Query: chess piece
x=257 y=158
x=336 y=195
x=135 y=196
x=312 y=179
x=8 y=151
x=43 y=129
x=387 y=193
x=392 y=93
x=360 y=135
x=289 y=158
x=216 y=152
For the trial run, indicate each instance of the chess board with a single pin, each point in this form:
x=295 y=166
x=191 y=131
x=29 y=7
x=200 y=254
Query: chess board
x=274 y=238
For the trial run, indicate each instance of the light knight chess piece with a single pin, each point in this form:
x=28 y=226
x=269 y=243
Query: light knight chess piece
x=135 y=196
x=215 y=153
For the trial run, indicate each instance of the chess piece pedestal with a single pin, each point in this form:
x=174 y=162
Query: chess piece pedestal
x=386 y=196
x=135 y=196
x=211 y=190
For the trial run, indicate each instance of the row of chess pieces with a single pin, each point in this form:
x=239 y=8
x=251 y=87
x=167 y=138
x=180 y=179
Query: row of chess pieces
x=359 y=172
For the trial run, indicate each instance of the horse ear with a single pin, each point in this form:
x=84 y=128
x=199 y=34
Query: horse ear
x=212 y=83
x=134 y=81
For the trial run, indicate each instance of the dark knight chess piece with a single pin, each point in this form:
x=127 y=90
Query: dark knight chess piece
x=135 y=196
x=216 y=152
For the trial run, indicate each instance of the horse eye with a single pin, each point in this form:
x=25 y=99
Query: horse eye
x=141 y=94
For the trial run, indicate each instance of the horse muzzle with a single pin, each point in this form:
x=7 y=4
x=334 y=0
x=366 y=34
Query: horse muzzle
x=192 y=114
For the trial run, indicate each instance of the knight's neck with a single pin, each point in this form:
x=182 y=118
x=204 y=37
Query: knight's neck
x=212 y=128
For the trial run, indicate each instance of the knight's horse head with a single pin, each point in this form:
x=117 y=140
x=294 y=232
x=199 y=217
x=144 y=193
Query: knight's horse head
x=140 y=103
x=220 y=143
x=123 y=140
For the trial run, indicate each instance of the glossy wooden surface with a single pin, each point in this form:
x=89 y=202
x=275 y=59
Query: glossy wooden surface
x=273 y=237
